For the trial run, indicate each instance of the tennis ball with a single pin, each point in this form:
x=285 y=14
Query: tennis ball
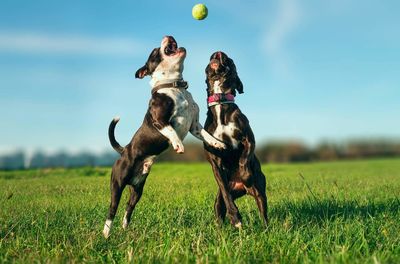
x=199 y=12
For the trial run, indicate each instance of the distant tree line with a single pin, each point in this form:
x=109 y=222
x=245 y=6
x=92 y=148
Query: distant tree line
x=20 y=160
x=326 y=151
x=276 y=152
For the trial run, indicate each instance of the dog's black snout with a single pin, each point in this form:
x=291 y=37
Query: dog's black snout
x=171 y=39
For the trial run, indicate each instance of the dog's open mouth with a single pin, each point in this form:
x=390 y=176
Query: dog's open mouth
x=171 y=48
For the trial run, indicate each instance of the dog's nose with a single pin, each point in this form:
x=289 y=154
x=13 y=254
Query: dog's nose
x=170 y=38
x=166 y=39
x=214 y=64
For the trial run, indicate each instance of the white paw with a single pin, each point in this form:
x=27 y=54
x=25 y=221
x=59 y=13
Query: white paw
x=125 y=222
x=178 y=147
x=238 y=225
x=107 y=228
x=106 y=233
x=218 y=144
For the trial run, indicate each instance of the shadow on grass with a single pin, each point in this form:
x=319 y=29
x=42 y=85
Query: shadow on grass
x=318 y=211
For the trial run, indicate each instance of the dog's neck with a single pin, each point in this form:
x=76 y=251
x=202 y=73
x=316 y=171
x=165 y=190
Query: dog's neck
x=219 y=96
x=217 y=87
x=159 y=78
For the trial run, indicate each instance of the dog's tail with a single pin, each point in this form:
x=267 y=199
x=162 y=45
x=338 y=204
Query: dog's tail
x=111 y=136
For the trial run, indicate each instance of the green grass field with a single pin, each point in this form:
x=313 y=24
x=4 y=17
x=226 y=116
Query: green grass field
x=348 y=213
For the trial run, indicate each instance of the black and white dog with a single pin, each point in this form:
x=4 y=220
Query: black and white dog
x=236 y=169
x=172 y=113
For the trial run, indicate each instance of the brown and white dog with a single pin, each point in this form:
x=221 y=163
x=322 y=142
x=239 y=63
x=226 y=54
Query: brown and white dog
x=172 y=113
x=236 y=169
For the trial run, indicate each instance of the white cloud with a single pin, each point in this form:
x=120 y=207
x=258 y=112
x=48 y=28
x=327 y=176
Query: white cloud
x=287 y=19
x=40 y=43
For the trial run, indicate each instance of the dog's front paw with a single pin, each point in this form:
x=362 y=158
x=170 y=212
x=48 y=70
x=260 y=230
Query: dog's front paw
x=218 y=144
x=238 y=225
x=178 y=147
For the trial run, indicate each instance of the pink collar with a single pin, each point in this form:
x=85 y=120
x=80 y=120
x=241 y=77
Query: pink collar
x=220 y=98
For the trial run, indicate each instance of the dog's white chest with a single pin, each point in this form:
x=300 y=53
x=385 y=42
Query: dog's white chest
x=227 y=130
x=182 y=115
x=216 y=87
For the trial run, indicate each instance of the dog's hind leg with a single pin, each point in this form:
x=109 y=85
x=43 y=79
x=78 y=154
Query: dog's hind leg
x=261 y=200
x=259 y=192
x=116 y=192
x=117 y=186
x=222 y=181
x=136 y=188
x=219 y=208
x=136 y=194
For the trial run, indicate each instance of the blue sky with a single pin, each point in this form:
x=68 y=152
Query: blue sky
x=312 y=70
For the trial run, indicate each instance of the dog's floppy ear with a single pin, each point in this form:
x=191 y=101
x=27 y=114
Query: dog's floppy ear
x=142 y=72
x=151 y=64
x=239 y=85
x=236 y=82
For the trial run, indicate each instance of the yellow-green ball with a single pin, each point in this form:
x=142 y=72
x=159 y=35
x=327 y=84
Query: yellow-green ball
x=199 y=12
